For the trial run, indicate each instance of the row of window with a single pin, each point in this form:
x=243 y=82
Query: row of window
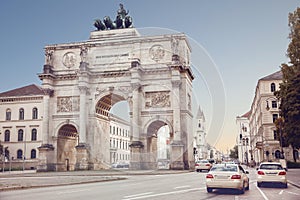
x=118 y=131
x=115 y=143
x=20 y=135
x=20 y=154
x=21 y=114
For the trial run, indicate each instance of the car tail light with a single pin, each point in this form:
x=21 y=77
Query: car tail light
x=260 y=173
x=209 y=176
x=207 y=165
x=236 y=176
x=282 y=173
x=196 y=164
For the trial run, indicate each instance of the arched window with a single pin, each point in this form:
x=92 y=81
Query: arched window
x=21 y=114
x=20 y=135
x=7 y=136
x=8 y=115
x=33 y=134
x=247 y=141
x=34 y=113
x=277 y=154
x=33 y=154
x=273 y=87
x=19 y=154
x=243 y=141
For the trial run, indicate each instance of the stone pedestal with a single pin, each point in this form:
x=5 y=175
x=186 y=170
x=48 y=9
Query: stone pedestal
x=46 y=158
x=82 y=157
x=176 y=156
x=136 y=153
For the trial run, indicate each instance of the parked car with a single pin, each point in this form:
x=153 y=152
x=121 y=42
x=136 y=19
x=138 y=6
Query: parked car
x=231 y=176
x=202 y=165
x=271 y=172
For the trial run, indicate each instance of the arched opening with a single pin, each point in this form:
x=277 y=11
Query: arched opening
x=66 y=143
x=113 y=121
x=159 y=138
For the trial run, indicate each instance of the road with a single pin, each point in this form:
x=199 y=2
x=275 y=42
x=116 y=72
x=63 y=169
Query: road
x=155 y=187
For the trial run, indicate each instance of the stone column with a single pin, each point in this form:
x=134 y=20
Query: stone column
x=176 y=145
x=46 y=150
x=82 y=115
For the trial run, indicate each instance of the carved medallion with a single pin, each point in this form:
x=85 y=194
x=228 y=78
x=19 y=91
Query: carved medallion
x=157 y=52
x=69 y=59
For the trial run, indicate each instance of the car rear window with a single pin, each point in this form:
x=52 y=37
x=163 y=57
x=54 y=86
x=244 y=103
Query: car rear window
x=227 y=168
x=271 y=167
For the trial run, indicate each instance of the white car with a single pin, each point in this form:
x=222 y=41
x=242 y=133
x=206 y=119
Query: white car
x=202 y=165
x=271 y=172
x=231 y=176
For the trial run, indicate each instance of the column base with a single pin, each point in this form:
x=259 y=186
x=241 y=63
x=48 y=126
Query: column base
x=136 y=153
x=176 y=156
x=46 y=158
x=82 y=155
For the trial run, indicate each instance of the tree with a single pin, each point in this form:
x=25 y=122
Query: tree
x=289 y=91
x=234 y=152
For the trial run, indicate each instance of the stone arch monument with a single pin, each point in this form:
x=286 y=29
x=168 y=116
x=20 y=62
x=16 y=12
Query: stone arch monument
x=83 y=80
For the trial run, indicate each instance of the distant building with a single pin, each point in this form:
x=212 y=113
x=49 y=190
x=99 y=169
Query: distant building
x=243 y=138
x=200 y=137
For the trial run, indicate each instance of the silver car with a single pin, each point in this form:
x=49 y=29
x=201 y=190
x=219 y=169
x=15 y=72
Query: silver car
x=271 y=172
x=231 y=176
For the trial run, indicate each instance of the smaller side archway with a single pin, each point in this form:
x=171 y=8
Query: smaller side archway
x=66 y=151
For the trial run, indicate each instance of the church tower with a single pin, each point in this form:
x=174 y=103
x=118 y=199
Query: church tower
x=200 y=137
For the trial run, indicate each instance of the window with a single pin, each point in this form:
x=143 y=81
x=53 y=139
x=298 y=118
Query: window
x=274 y=104
x=275 y=135
x=7 y=136
x=20 y=135
x=247 y=141
x=273 y=87
x=33 y=153
x=243 y=141
x=8 y=115
x=34 y=113
x=21 y=114
x=19 y=154
x=33 y=134
x=275 y=116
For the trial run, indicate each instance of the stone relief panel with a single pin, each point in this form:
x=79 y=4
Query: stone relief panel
x=68 y=104
x=157 y=99
x=157 y=52
x=69 y=59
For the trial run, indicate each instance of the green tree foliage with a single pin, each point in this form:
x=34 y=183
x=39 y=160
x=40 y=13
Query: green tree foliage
x=234 y=152
x=289 y=92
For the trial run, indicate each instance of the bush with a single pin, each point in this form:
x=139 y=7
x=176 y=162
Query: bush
x=291 y=165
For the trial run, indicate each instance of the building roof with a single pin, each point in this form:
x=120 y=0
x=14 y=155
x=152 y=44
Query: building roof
x=29 y=90
x=247 y=114
x=200 y=114
x=275 y=76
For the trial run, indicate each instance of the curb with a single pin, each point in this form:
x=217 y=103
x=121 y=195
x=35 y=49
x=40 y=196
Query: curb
x=294 y=184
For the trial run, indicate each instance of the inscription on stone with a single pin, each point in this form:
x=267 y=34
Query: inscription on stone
x=158 y=99
x=68 y=104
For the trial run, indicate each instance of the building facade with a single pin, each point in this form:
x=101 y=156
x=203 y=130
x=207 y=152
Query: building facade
x=200 y=137
x=243 y=139
x=265 y=138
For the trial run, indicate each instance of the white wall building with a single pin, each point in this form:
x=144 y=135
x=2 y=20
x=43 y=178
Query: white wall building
x=243 y=138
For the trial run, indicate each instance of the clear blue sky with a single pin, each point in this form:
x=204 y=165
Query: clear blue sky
x=246 y=40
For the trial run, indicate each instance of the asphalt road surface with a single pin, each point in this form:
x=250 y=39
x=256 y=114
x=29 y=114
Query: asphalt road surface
x=186 y=186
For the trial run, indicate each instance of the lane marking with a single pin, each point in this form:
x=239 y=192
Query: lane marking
x=136 y=195
x=165 y=193
x=281 y=192
x=261 y=192
x=72 y=191
x=293 y=193
x=184 y=186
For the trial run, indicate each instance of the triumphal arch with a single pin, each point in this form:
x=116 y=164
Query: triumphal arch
x=83 y=80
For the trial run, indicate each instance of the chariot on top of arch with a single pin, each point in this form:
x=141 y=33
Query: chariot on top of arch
x=123 y=20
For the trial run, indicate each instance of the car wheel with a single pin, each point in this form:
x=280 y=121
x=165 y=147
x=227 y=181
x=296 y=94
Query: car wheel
x=200 y=170
x=248 y=186
x=209 y=190
x=243 y=188
x=285 y=185
x=258 y=184
x=197 y=170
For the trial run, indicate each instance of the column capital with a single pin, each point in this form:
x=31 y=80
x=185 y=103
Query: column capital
x=176 y=83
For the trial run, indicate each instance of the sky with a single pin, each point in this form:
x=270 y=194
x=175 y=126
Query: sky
x=234 y=44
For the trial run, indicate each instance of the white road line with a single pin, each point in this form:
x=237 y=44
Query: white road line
x=162 y=194
x=261 y=192
x=293 y=193
x=281 y=192
x=136 y=195
x=184 y=186
x=236 y=198
x=72 y=191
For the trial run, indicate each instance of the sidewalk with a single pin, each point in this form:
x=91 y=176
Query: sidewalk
x=31 y=179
